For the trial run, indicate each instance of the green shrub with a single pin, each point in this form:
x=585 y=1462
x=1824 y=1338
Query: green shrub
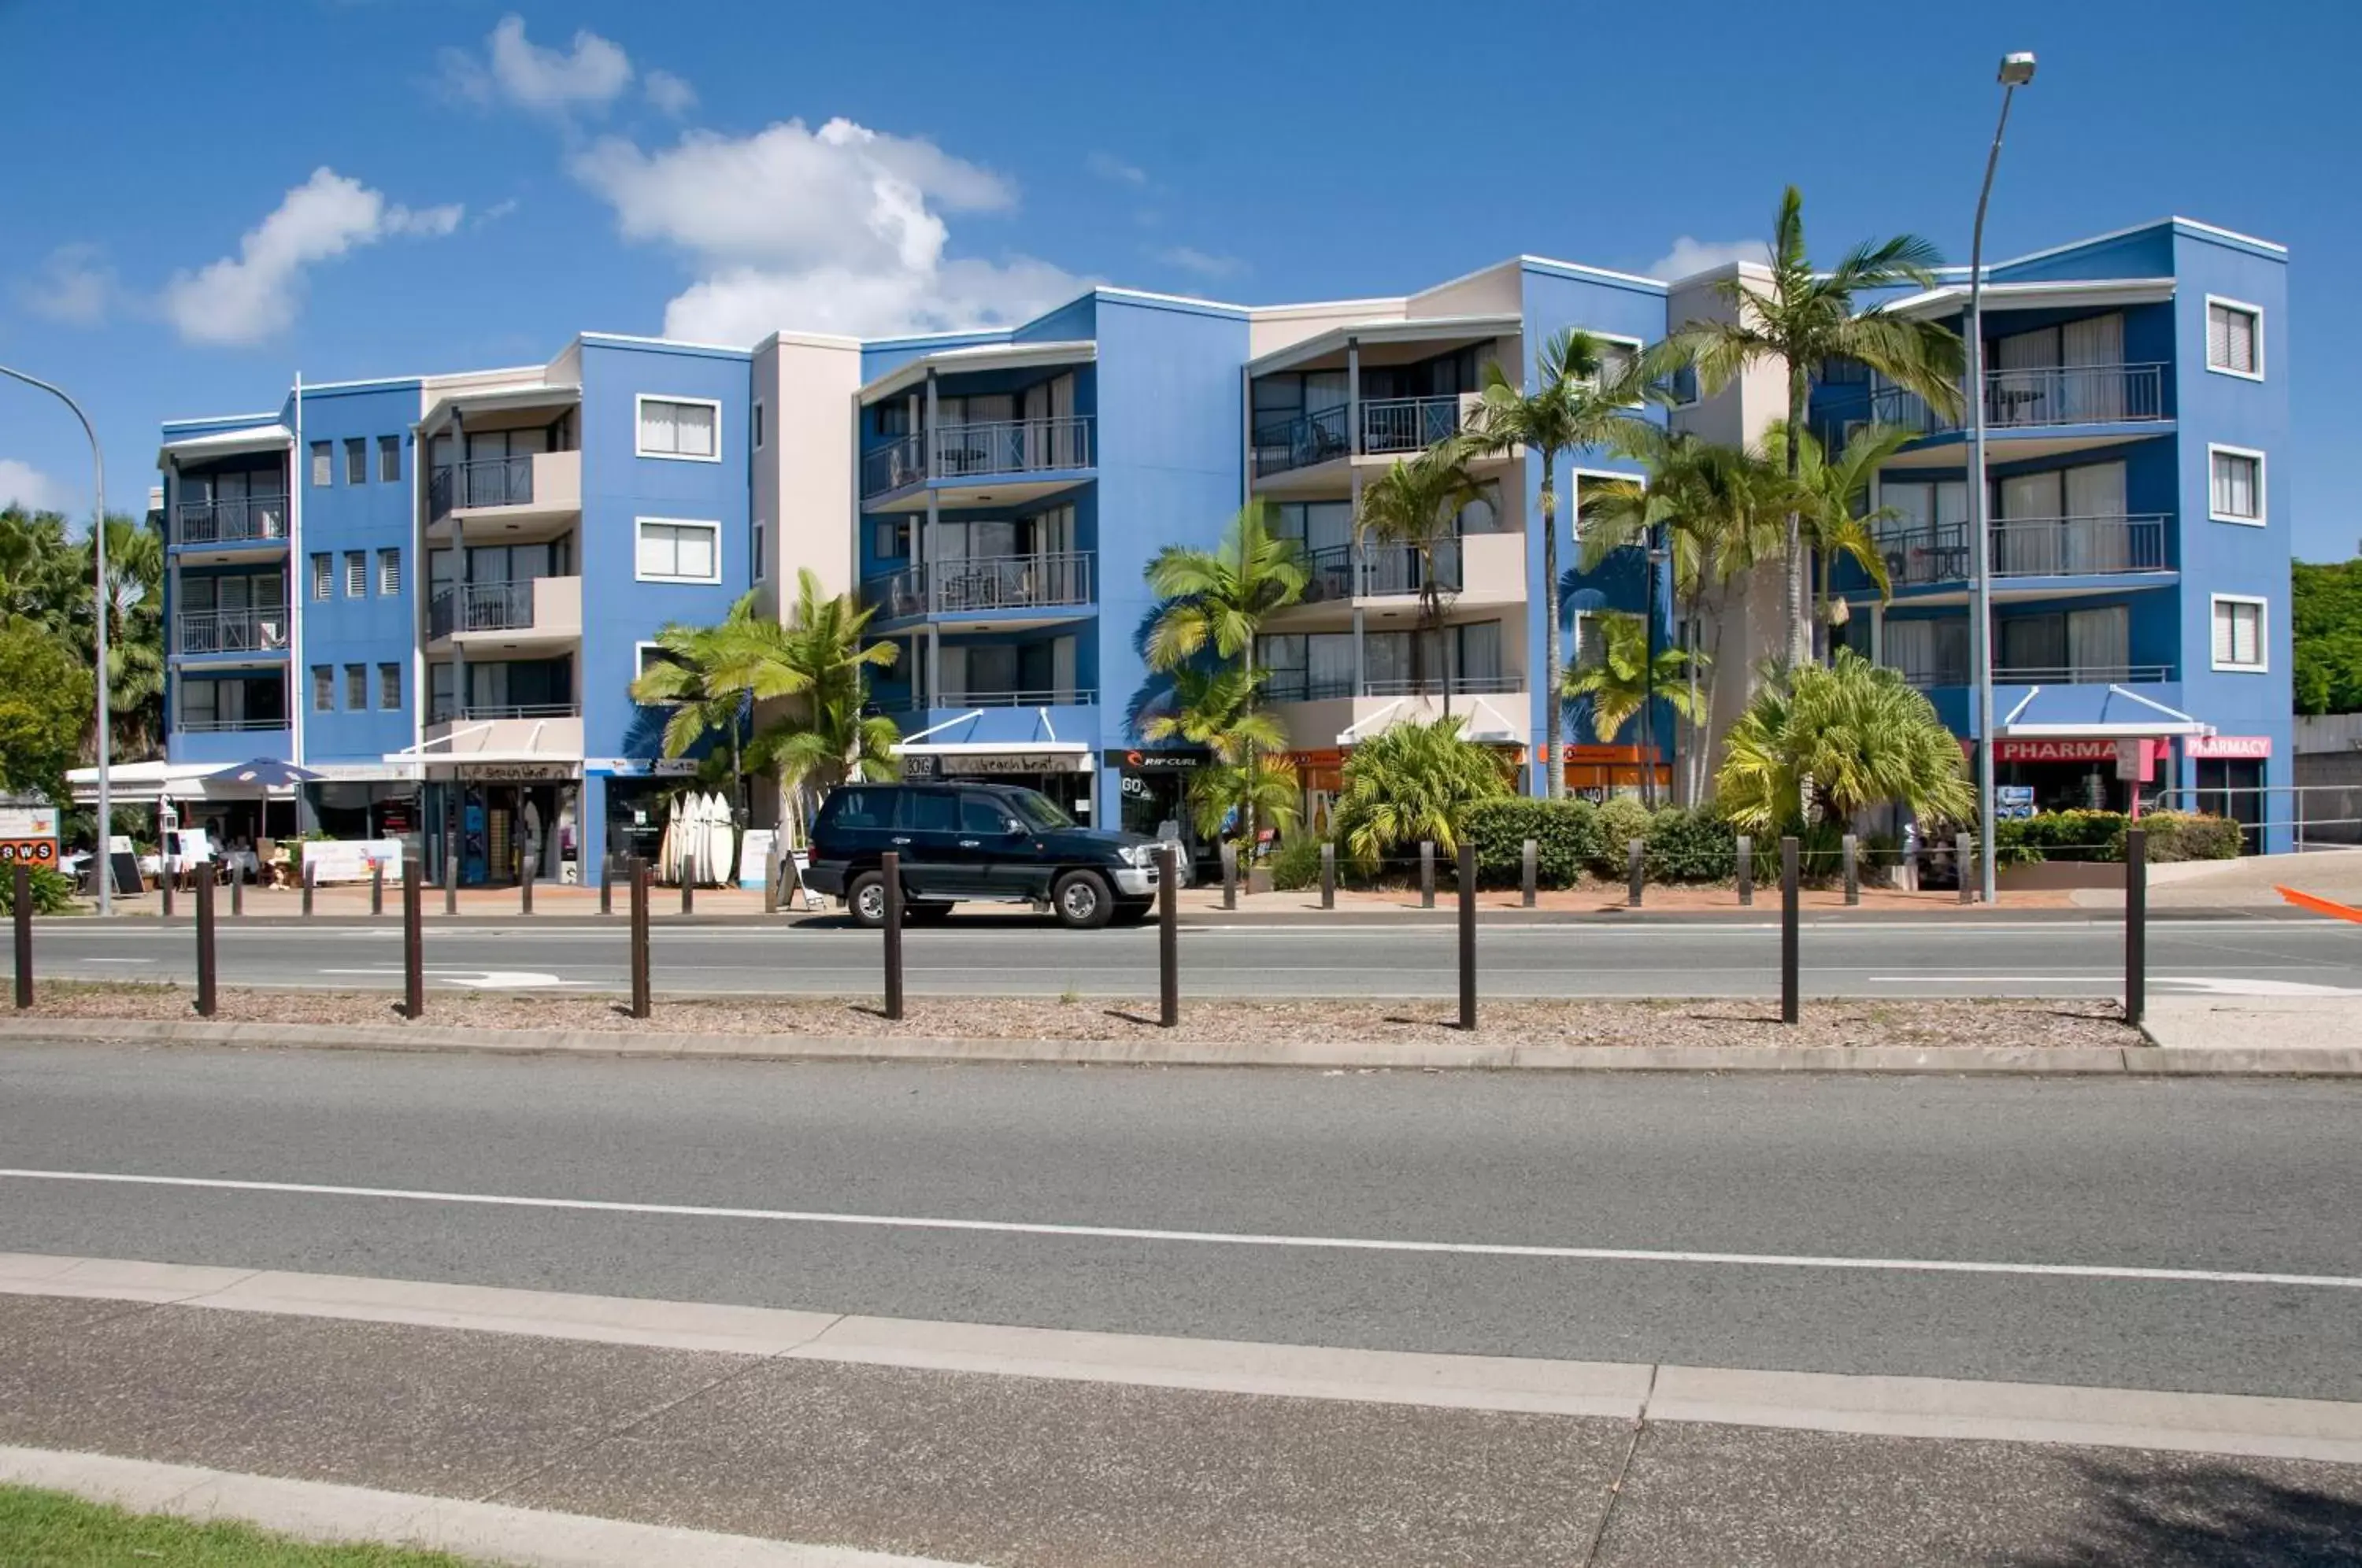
x=2087 y=837
x=1694 y=845
x=52 y=894
x=1297 y=865
x=1622 y=819
x=1565 y=834
x=2189 y=835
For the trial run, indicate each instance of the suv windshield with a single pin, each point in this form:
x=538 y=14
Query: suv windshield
x=1038 y=809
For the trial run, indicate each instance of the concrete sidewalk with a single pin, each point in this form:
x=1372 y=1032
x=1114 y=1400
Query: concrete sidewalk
x=2293 y=1026
x=973 y=1444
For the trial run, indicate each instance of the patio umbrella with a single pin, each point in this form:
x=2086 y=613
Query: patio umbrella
x=263 y=775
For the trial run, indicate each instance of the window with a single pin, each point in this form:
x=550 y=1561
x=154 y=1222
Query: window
x=324 y=689
x=886 y=541
x=757 y=544
x=356 y=574
x=648 y=655
x=758 y=424
x=1685 y=386
x=859 y=809
x=389 y=686
x=324 y=575
x=2234 y=338
x=389 y=459
x=2237 y=486
x=389 y=573
x=355 y=460
x=324 y=465
x=356 y=688
x=983 y=816
x=677 y=427
x=672 y=551
x=928 y=810
x=2238 y=633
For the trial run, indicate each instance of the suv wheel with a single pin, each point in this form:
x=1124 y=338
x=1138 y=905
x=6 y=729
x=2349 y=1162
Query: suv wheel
x=1082 y=901
x=867 y=900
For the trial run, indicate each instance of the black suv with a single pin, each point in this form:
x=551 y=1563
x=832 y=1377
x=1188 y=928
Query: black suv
x=989 y=842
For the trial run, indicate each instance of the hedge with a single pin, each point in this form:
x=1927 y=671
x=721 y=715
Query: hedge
x=52 y=893
x=1566 y=833
x=2088 y=836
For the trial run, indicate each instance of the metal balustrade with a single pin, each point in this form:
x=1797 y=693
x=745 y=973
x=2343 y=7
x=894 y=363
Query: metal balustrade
x=2047 y=394
x=1297 y=686
x=978 y=450
x=1301 y=441
x=1408 y=423
x=2027 y=546
x=1383 y=569
x=227 y=726
x=1046 y=697
x=446 y=711
x=481 y=607
x=230 y=631
x=2042 y=675
x=968 y=584
x=481 y=481
x=230 y=520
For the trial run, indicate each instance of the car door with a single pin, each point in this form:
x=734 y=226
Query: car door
x=1008 y=864
x=926 y=833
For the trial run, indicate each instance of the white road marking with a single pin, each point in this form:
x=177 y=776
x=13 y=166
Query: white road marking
x=115 y=960
x=1224 y=1237
x=476 y=979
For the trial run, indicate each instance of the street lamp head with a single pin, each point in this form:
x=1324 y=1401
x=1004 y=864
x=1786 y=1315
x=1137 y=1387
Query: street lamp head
x=2016 y=69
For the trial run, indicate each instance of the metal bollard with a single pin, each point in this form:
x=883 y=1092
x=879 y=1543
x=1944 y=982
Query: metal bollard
x=1168 y=940
x=1530 y=872
x=311 y=881
x=771 y=878
x=1746 y=871
x=525 y=888
x=1965 y=860
x=689 y=883
x=1636 y=874
x=1229 y=876
x=1853 y=847
x=607 y=883
x=237 y=888
x=1467 y=935
x=891 y=865
x=163 y=881
x=413 y=942
x=2135 y=925
x=638 y=873
x=1328 y=875
x=1426 y=873
x=1789 y=1001
x=205 y=947
x=22 y=906
x=450 y=884
x=377 y=886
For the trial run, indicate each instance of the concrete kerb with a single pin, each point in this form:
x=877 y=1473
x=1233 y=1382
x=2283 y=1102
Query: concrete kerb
x=1406 y=1055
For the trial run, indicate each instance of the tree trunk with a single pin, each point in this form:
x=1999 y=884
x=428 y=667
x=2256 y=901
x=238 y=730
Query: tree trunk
x=1800 y=634
x=1553 y=720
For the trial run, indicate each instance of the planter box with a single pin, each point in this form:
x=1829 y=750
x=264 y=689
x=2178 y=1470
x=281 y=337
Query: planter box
x=2054 y=875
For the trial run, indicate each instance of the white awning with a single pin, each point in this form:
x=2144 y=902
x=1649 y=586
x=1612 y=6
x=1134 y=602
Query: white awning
x=133 y=783
x=271 y=437
x=992 y=748
x=2166 y=722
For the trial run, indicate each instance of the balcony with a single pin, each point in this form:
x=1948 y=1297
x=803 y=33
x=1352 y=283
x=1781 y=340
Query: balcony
x=200 y=631
x=1383 y=569
x=1945 y=675
x=536 y=608
x=982 y=584
x=1408 y=423
x=1300 y=686
x=960 y=701
x=243 y=520
x=1390 y=427
x=2055 y=394
x=2028 y=547
x=963 y=453
x=541 y=484
x=508 y=730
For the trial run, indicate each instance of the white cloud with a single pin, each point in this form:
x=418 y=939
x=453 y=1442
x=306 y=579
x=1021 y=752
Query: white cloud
x=1108 y=166
x=1206 y=264
x=496 y=211
x=670 y=94
x=841 y=228
x=75 y=286
x=29 y=487
x=1690 y=256
x=515 y=70
x=258 y=293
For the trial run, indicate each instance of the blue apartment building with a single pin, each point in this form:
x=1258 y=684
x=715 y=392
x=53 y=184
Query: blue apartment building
x=434 y=591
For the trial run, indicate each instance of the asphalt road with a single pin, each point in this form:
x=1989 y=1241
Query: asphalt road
x=1491 y=1214
x=1021 y=956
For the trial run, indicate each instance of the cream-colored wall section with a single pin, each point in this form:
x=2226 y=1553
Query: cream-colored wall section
x=1499 y=290
x=1283 y=326
x=803 y=475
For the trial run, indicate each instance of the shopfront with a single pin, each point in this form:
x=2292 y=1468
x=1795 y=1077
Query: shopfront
x=2091 y=773
x=500 y=817
x=1153 y=795
x=2228 y=771
x=1064 y=771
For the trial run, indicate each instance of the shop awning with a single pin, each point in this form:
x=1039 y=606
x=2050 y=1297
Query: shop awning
x=135 y=783
x=2122 y=715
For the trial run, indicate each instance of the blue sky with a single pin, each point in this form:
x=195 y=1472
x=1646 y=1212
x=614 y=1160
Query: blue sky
x=495 y=185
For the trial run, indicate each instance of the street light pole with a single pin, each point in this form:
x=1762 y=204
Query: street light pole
x=105 y=866
x=2016 y=71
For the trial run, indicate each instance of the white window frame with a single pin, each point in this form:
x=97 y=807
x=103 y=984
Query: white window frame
x=640 y=400
x=706 y=523
x=1637 y=344
x=1571 y=509
x=756 y=538
x=2263 y=664
x=640 y=652
x=2206 y=331
x=2263 y=504
x=357 y=574
x=388 y=571
x=760 y=434
x=323 y=576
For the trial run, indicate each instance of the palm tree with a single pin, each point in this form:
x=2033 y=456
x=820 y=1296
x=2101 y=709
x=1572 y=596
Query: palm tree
x=1832 y=506
x=1717 y=508
x=1576 y=404
x=135 y=633
x=826 y=737
x=1215 y=709
x=695 y=678
x=1803 y=320
x=1829 y=741
x=1624 y=676
x=1411 y=782
x=1416 y=505
x=1214 y=603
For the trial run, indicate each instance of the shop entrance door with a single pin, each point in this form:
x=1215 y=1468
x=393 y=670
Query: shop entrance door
x=2233 y=789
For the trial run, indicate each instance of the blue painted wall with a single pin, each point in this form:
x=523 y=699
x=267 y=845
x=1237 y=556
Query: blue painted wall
x=372 y=516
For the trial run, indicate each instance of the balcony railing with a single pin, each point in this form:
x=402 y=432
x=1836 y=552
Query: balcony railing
x=481 y=607
x=1408 y=423
x=1046 y=697
x=481 y=481
x=2050 y=394
x=227 y=726
x=446 y=711
x=1299 y=442
x=1300 y=686
x=1384 y=569
x=2043 y=675
x=232 y=520
x=2027 y=546
x=983 y=449
x=230 y=631
x=982 y=582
